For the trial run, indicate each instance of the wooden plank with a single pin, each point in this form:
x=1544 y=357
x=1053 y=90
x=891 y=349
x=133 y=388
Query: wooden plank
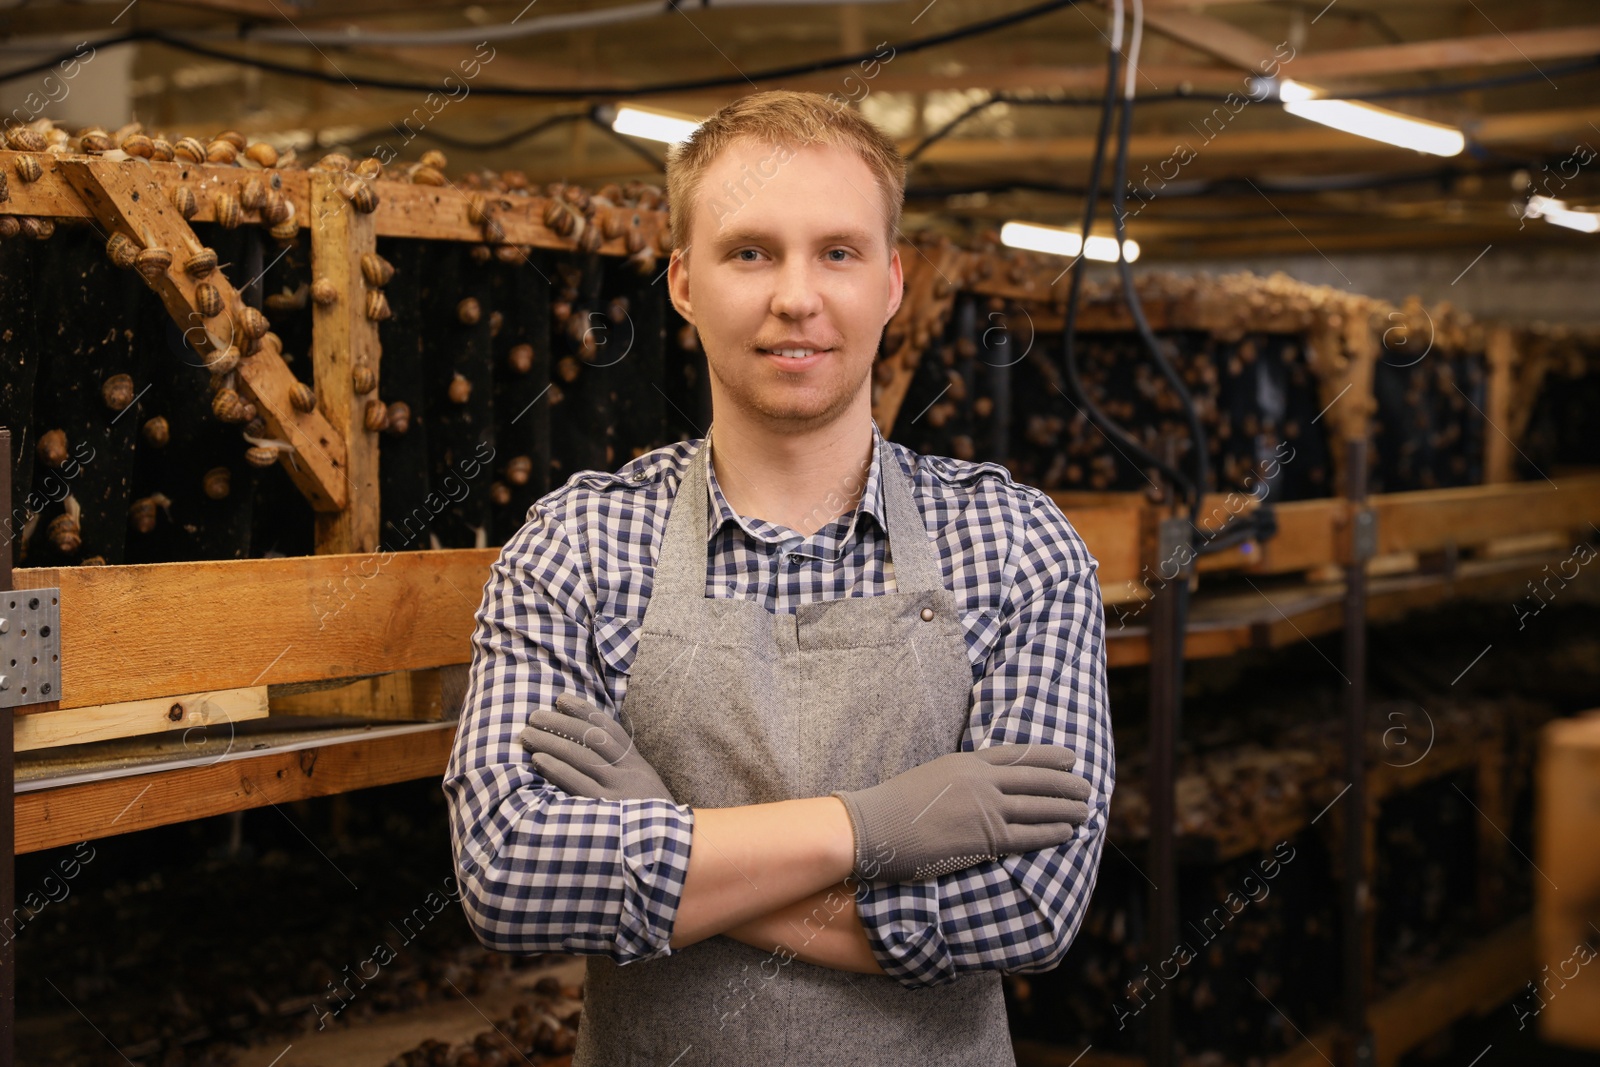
x=1434 y=519
x=403 y=696
x=135 y=717
x=1486 y=50
x=128 y=200
x=342 y=339
x=1567 y=825
x=1214 y=37
x=47 y=818
x=146 y=630
x=1500 y=354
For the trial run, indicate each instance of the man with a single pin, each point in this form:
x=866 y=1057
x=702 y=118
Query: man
x=781 y=733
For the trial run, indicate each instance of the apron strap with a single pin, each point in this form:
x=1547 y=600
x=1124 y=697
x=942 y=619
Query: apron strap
x=681 y=563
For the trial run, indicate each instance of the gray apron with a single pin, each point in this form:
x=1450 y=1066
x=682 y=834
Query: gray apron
x=734 y=705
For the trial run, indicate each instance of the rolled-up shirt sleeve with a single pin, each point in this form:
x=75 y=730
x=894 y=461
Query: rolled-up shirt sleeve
x=1044 y=683
x=541 y=870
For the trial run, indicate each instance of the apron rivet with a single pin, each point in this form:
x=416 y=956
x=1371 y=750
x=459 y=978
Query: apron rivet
x=927 y=614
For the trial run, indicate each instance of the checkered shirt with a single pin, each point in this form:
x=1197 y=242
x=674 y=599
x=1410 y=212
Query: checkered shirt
x=544 y=871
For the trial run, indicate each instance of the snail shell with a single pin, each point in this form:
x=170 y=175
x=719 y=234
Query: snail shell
x=161 y=150
x=201 y=264
x=64 y=534
x=399 y=418
x=189 y=150
x=28 y=168
x=496 y=321
x=377 y=415
x=5 y=187
x=224 y=361
x=138 y=144
x=377 y=270
x=500 y=493
x=24 y=139
x=481 y=253
x=226 y=211
x=324 y=292
x=362 y=196
x=207 y=300
x=263 y=153
x=52 y=448
x=590 y=239
x=568 y=369
x=335 y=161
x=634 y=241
x=142 y=513
x=117 y=391
x=184 y=200
x=494 y=230
x=252 y=323
x=156 y=432
x=510 y=254
x=371 y=167
x=95 y=142
x=228 y=406
x=233 y=137
x=37 y=228
x=260 y=456
x=521 y=358
x=122 y=250
x=275 y=207
x=469 y=311
x=435 y=159
x=426 y=175
x=363 y=379
x=477 y=208
x=377 y=305
x=301 y=396
x=217 y=483
x=286 y=231
x=252 y=194
x=153 y=262
x=460 y=389
x=519 y=470
x=9 y=227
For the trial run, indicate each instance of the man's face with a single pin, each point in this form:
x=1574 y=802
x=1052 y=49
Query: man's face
x=791 y=252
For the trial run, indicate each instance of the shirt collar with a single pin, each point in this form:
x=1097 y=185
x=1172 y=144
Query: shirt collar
x=871 y=497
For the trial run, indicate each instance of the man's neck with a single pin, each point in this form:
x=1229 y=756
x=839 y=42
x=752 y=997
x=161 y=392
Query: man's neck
x=800 y=480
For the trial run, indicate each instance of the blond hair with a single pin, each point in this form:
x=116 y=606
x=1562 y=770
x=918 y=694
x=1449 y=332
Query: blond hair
x=792 y=119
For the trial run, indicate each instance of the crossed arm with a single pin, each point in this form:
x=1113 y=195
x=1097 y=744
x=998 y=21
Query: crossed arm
x=768 y=875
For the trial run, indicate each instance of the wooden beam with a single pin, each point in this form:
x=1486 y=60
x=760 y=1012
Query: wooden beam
x=130 y=200
x=1488 y=50
x=147 y=630
x=131 y=718
x=342 y=339
x=1430 y=520
x=1214 y=37
x=47 y=818
x=403 y=696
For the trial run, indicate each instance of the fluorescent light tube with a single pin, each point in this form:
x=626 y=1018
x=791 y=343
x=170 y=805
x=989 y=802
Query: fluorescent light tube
x=653 y=125
x=1557 y=212
x=1365 y=120
x=1060 y=242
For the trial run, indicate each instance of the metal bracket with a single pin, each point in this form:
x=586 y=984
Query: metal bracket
x=1175 y=544
x=30 y=646
x=1364 y=535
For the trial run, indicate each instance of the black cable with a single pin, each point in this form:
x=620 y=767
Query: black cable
x=629 y=143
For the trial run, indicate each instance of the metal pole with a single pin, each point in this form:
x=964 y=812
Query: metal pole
x=1166 y=697
x=1355 y=898
x=8 y=809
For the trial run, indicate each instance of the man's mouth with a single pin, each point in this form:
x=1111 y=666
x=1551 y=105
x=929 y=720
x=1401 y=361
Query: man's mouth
x=792 y=353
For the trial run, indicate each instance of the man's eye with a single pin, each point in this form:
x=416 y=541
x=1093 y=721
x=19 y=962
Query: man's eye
x=844 y=251
x=742 y=251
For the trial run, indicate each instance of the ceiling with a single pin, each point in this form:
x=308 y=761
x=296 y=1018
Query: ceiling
x=1226 y=177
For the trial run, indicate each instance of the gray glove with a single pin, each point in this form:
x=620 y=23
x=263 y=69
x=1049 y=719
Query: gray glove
x=585 y=752
x=965 y=808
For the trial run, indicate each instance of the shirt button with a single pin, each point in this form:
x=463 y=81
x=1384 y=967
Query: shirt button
x=927 y=614
x=795 y=557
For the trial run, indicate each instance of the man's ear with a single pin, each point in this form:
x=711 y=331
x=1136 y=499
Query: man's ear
x=678 y=284
x=897 y=284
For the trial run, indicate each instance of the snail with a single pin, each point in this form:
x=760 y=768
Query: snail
x=493 y=230
x=226 y=211
x=520 y=358
x=285 y=232
x=228 y=406
x=377 y=305
x=469 y=311
x=324 y=292
x=252 y=194
x=377 y=415
x=288 y=299
x=139 y=144
x=363 y=379
x=426 y=175
x=156 y=432
x=434 y=158
x=207 y=300
x=217 y=483
x=399 y=418
x=122 y=250
x=334 y=161
x=590 y=239
x=252 y=324
x=201 y=264
x=142 y=512
x=117 y=391
x=189 y=150
x=302 y=397
x=64 y=531
x=496 y=321
x=275 y=207
x=153 y=262
x=362 y=196
x=233 y=137
x=28 y=168
x=481 y=253
x=370 y=167
x=94 y=142
x=161 y=150
x=263 y=451
x=519 y=470
x=500 y=494
x=262 y=153
x=511 y=253
x=184 y=200
x=52 y=448
x=477 y=208
x=568 y=369
x=375 y=269
x=9 y=227
x=24 y=139
x=37 y=228
x=460 y=388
